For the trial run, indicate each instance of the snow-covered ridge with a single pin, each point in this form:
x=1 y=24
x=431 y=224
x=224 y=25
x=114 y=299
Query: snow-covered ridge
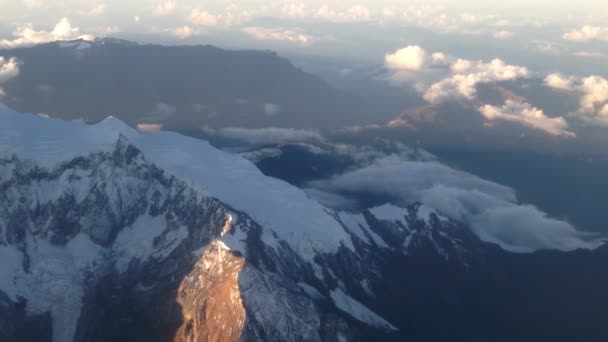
x=276 y=205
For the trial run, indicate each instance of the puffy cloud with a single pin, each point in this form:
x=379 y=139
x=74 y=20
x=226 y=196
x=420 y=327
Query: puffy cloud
x=8 y=69
x=526 y=115
x=411 y=58
x=232 y=16
x=295 y=10
x=560 y=81
x=26 y=35
x=203 y=18
x=466 y=75
x=595 y=99
x=184 y=32
x=410 y=61
x=593 y=106
x=164 y=8
x=355 y=13
x=491 y=210
x=265 y=136
x=295 y=36
x=587 y=33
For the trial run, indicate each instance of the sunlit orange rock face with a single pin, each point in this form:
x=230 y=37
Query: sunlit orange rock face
x=211 y=301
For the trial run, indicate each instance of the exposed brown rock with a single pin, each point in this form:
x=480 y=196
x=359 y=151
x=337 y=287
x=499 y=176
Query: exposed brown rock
x=210 y=297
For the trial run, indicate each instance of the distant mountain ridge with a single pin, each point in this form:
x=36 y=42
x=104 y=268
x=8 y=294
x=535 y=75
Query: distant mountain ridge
x=181 y=87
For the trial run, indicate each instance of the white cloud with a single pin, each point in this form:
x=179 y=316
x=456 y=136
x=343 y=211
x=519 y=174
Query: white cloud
x=8 y=69
x=468 y=74
x=203 y=18
x=503 y=34
x=136 y=19
x=265 y=136
x=527 y=115
x=587 y=33
x=491 y=210
x=560 y=81
x=184 y=32
x=595 y=97
x=26 y=35
x=295 y=10
x=518 y=228
x=355 y=13
x=410 y=61
x=410 y=58
x=295 y=36
x=593 y=107
x=164 y=8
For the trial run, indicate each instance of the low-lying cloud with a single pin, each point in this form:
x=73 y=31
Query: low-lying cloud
x=265 y=136
x=8 y=69
x=295 y=36
x=587 y=33
x=27 y=35
x=491 y=210
x=593 y=104
x=467 y=74
x=527 y=115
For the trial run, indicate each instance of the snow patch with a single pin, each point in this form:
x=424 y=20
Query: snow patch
x=359 y=311
x=137 y=242
x=285 y=212
x=389 y=212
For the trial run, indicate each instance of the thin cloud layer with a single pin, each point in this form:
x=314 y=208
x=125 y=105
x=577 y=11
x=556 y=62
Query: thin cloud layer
x=295 y=36
x=527 y=115
x=265 y=136
x=27 y=35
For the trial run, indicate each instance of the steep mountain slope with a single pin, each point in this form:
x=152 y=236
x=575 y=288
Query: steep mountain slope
x=110 y=235
x=182 y=87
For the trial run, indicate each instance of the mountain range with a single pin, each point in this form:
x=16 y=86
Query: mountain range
x=182 y=88
x=109 y=234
